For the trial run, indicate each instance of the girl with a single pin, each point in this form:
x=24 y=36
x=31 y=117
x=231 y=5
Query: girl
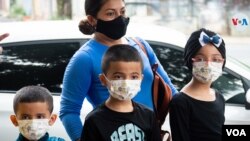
x=197 y=112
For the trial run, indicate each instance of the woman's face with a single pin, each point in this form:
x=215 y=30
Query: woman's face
x=111 y=10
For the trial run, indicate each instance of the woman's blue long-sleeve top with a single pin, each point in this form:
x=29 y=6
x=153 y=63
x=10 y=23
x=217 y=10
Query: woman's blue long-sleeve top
x=81 y=80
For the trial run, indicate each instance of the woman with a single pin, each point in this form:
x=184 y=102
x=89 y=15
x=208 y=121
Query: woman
x=107 y=20
x=197 y=112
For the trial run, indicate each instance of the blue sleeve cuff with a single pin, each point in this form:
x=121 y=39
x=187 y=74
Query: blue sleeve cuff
x=73 y=125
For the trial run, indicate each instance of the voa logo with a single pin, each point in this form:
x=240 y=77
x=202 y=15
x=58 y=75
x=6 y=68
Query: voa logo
x=236 y=132
x=240 y=21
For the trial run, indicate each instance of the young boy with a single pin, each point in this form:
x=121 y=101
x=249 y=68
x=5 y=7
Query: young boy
x=33 y=106
x=120 y=118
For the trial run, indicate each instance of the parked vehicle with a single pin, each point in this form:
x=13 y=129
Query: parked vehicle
x=36 y=53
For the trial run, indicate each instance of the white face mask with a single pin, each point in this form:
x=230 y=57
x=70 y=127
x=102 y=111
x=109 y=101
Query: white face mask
x=33 y=129
x=207 y=71
x=124 y=89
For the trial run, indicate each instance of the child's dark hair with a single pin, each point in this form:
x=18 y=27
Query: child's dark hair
x=30 y=94
x=120 y=52
x=92 y=7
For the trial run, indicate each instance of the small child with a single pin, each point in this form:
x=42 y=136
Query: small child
x=197 y=112
x=33 y=106
x=120 y=118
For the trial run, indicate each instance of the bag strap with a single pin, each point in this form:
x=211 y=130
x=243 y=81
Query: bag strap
x=153 y=67
x=141 y=46
x=166 y=136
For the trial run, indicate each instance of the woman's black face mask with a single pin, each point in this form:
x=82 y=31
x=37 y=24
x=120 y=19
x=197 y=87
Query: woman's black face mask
x=114 y=29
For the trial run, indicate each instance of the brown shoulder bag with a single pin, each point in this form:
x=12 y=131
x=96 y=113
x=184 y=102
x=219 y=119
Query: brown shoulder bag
x=161 y=95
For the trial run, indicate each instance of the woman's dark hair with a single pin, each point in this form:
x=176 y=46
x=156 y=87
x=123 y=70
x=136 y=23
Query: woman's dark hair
x=92 y=7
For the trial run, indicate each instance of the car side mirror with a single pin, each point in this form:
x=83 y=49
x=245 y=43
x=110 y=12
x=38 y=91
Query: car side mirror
x=247 y=105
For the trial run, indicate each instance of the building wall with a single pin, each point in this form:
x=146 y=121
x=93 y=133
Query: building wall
x=4 y=7
x=78 y=9
x=43 y=9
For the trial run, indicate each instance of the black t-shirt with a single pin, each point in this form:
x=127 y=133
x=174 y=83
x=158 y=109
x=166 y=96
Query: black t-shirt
x=103 y=124
x=196 y=120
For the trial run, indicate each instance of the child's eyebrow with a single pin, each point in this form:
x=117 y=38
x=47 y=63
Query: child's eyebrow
x=25 y=115
x=203 y=55
x=117 y=73
x=135 y=73
x=40 y=114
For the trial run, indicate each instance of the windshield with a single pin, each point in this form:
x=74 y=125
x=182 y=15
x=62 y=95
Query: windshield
x=239 y=67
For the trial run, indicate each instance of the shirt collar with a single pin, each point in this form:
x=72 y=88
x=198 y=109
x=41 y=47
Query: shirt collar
x=22 y=138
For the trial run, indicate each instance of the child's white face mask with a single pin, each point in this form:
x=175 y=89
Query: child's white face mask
x=124 y=89
x=207 y=71
x=33 y=129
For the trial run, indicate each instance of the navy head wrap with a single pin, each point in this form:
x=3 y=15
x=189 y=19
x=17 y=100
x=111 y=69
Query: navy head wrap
x=200 y=38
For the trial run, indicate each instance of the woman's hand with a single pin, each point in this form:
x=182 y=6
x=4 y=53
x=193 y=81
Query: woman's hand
x=3 y=36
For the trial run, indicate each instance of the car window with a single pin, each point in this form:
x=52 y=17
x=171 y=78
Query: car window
x=231 y=87
x=35 y=63
x=171 y=58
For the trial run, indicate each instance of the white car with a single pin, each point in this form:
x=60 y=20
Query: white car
x=36 y=53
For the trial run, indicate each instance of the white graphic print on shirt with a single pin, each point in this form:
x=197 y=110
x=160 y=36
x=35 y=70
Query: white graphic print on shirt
x=129 y=132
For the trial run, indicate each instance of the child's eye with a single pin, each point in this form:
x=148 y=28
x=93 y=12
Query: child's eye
x=198 y=59
x=25 y=117
x=134 y=77
x=40 y=116
x=217 y=60
x=118 y=77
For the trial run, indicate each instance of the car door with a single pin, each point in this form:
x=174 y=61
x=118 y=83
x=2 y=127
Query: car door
x=230 y=84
